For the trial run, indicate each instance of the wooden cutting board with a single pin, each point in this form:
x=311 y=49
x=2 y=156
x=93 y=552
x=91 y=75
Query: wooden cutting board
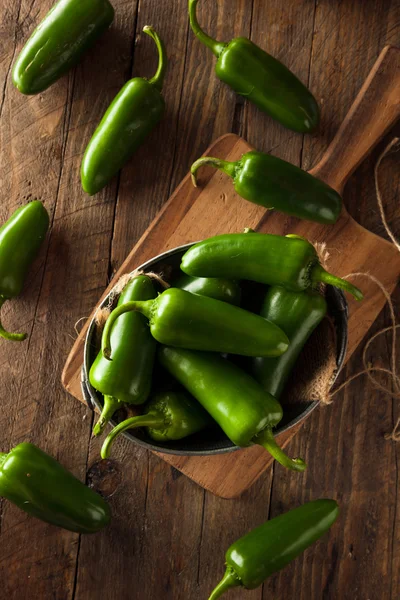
x=213 y=208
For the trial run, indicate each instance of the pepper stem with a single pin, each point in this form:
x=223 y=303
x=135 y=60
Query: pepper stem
x=143 y=306
x=216 y=47
x=229 y=580
x=319 y=274
x=111 y=404
x=223 y=165
x=158 y=78
x=12 y=337
x=154 y=420
x=266 y=440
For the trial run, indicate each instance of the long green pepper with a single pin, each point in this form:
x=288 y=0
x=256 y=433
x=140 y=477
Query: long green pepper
x=243 y=410
x=131 y=116
x=127 y=378
x=186 y=320
x=262 y=79
x=20 y=240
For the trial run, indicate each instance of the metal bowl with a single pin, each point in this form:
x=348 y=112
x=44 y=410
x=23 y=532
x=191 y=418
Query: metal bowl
x=212 y=441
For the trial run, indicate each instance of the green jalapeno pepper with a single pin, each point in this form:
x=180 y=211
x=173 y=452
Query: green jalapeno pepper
x=127 y=378
x=297 y=314
x=20 y=239
x=169 y=416
x=131 y=116
x=274 y=183
x=289 y=261
x=243 y=410
x=40 y=486
x=258 y=76
x=271 y=546
x=67 y=31
x=225 y=290
x=186 y=320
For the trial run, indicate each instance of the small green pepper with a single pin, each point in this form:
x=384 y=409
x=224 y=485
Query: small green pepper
x=288 y=261
x=20 y=239
x=225 y=290
x=131 y=116
x=271 y=546
x=40 y=486
x=169 y=416
x=127 y=379
x=243 y=410
x=258 y=76
x=274 y=183
x=67 y=31
x=297 y=314
x=186 y=320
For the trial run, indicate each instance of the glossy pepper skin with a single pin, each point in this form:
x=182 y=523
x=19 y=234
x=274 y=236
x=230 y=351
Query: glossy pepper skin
x=20 y=240
x=289 y=261
x=127 y=378
x=262 y=79
x=186 y=320
x=297 y=314
x=243 y=410
x=169 y=416
x=225 y=290
x=131 y=116
x=40 y=486
x=271 y=546
x=67 y=31
x=274 y=183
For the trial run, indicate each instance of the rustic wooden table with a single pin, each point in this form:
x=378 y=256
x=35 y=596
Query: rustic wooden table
x=168 y=537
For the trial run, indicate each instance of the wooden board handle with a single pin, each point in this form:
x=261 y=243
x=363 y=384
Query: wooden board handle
x=374 y=111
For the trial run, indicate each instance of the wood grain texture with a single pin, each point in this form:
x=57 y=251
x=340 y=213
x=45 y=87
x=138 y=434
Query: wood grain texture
x=168 y=537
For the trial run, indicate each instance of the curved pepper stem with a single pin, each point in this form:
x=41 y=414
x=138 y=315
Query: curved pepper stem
x=266 y=439
x=153 y=420
x=111 y=404
x=215 y=47
x=12 y=337
x=158 y=78
x=223 y=165
x=142 y=306
x=319 y=275
x=228 y=581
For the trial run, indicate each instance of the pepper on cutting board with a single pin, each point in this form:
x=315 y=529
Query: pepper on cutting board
x=297 y=314
x=243 y=410
x=253 y=73
x=20 y=239
x=57 y=44
x=127 y=378
x=276 y=184
x=271 y=546
x=40 y=486
x=225 y=290
x=289 y=261
x=131 y=116
x=186 y=320
x=169 y=416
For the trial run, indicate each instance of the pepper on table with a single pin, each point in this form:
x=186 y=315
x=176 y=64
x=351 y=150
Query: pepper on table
x=276 y=184
x=40 y=486
x=127 y=378
x=225 y=290
x=297 y=314
x=288 y=261
x=253 y=73
x=271 y=546
x=131 y=116
x=243 y=410
x=57 y=44
x=169 y=416
x=20 y=239
x=186 y=320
